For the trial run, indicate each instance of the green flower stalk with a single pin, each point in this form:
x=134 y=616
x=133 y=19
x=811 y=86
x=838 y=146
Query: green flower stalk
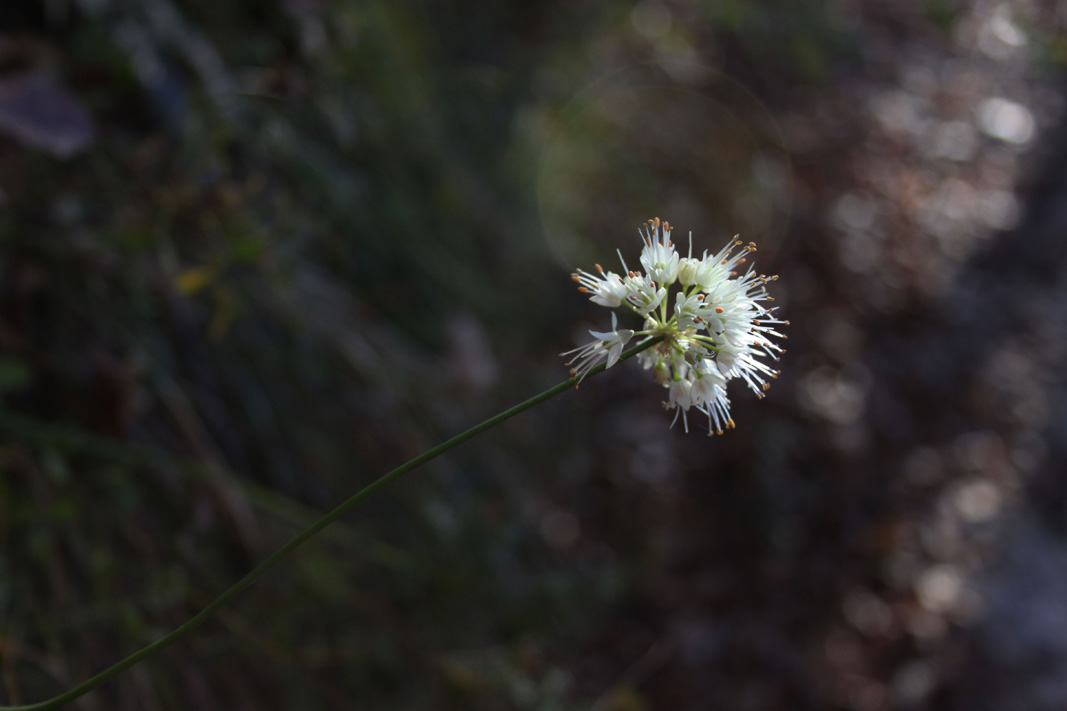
x=198 y=619
x=717 y=330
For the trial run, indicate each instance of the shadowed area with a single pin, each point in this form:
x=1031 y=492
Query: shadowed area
x=255 y=254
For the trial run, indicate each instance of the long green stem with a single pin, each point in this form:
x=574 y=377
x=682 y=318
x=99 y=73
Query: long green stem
x=199 y=618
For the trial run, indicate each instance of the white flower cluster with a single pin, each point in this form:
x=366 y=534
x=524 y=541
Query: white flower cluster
x=717 y=330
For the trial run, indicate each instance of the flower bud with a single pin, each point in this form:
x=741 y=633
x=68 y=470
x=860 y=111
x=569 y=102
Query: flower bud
x=687 y=271
x=662 y=373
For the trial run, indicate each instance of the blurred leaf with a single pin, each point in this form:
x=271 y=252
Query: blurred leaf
x=13 y=374
x=942 y=13
x=622 y=698
x=194 y=279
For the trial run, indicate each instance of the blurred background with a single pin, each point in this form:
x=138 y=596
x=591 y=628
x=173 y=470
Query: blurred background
x=255 y=254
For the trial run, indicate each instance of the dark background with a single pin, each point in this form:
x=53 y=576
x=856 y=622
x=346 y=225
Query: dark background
x=255 y=254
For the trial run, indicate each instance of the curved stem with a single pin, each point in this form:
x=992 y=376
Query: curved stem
x=200 y=617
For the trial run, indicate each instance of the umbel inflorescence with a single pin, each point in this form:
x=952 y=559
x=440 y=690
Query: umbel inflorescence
x=716 y=327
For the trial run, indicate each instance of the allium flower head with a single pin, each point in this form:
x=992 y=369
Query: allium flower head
x=716 y=327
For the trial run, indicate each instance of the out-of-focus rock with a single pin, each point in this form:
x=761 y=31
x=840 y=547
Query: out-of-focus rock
x=39 y=112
